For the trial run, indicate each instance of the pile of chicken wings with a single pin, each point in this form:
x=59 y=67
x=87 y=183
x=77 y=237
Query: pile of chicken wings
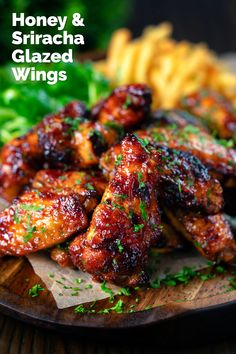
x=99 y=188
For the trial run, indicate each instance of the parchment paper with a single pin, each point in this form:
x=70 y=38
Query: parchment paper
x=71 y=287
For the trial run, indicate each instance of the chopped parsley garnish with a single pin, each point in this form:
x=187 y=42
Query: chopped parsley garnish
x=117 y=127
x=225 y=143
x=88 y=286
x=78 y=280
x=118 y=160
x=138 y=227
x=62 y=178
x=119 y=245
x=182 y=277
x=144 y=143
x=118 y=308
x=114 y=205
x=34 y=291
x=32 y=207
x=179 y=187
x=29 y=232
x=143 y=210
x=123 y=196
x=90 y=187
x=107 y=290
x=140 y=177
x=127 y=102
x=124 y=291
x=158 y=136
x=73 y=123
x=80 y=309
x=17 y=219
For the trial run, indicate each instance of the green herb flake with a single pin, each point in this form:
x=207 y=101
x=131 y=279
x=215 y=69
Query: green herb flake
x=88 y=286
x=119 y=245
x=138 y=227
x=107 y=290
x=124 y=291
x=144 y=143
x=28 y=207
x=35 y=290
x=80 y=309
x=123 y=196
x=140 y=177
x=127 y=102
x=143 y=210
x=118 y=160
x=29 y=233
x=90 y=187
x=78 y=280
x=16 y=218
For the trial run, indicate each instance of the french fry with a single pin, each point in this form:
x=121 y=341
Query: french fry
x=119 y=39
x=172 y=69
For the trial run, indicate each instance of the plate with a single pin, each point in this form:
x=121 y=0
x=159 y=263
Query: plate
x=167 y=303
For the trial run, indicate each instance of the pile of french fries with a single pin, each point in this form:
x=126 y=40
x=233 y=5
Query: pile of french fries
x=172 y=69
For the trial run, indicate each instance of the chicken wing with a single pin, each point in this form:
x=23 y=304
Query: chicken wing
x=89 y=187
x=183 y=180
x=69 y=138
x=197 y=142
x=39 y=220
x=212 y=108
x=55 y=209
x=19 y=159
x=210 y=234
x=126 y=223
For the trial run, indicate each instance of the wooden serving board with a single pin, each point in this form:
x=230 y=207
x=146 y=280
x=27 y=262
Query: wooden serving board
x=17 y=277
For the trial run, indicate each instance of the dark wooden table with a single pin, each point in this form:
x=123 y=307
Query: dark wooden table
x=21 y=338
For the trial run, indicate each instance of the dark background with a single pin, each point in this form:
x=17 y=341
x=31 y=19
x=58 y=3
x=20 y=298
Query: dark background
x=211 y=21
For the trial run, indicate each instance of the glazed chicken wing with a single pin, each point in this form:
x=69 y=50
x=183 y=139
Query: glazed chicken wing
x=183 y=180
x=90 y=187
x=39 y=220
x=84 y=140
x=215 y=110
x=126 y=223
x=69 y=138
x=210 y=234
x=197 y=142
x=55 y=209
x=19 y=159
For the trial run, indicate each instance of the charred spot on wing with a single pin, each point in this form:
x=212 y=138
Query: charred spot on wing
x=75 y=109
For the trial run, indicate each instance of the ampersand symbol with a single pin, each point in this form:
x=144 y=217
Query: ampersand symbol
x=77 y=20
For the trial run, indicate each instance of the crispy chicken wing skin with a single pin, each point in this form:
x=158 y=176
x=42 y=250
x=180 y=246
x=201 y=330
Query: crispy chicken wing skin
x=210 y=234
x=126 y=106
x=55 y=209
x=72 y=137
x=39 y=220
x=22 y=157
x=126 y=223
x=62 y=257
x=197 y=142
x=19 y=159
x=215 y=110
x=174 y=117
x=183 y=181
x=80 y=141
x=90 y=188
